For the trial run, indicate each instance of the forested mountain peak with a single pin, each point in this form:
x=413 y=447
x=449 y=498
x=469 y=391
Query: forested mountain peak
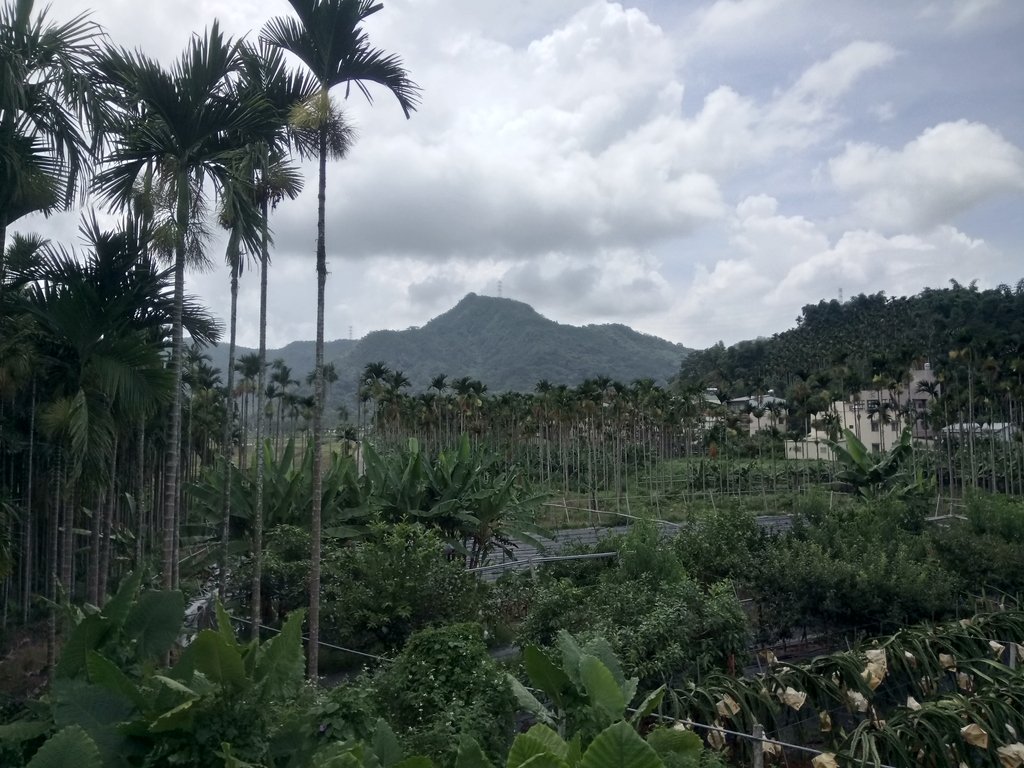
x=504 y=343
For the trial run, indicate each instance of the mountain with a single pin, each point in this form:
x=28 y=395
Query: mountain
x=506 y=344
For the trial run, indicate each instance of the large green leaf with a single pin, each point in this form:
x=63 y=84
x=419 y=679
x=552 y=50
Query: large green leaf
x=106 y=674
x=222 y=663
x=552 y=742
x=544 y=760
x=23 y=730
x=98 y=711
x=571 y=653
x=545 y=675
x=529 y=702
x=86 y=636
x=619 y=746
x=527 y=748
x=179 y=718
x=471 y=755
x=602 y=649
x=154 y=622
x=385 y=745
x=649 y=704
x=71 y=746
x=281 y=662
x=117 y=608
x=415 y=762
x=602 y=687
x=686 y=744
x=224 y=627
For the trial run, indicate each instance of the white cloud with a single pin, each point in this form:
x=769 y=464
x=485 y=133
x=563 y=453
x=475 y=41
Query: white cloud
x=945 y=171
x=587 y=147
x=966 y=14
x=813 y=97
x=602 y=157
x=779 y=263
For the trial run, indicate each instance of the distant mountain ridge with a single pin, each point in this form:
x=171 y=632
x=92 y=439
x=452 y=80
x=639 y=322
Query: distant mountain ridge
x=504 y=343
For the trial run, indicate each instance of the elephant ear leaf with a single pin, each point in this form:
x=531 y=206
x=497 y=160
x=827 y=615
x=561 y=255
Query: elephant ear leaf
x=619 y=746
x=154 y=622
x=604 y=691
x=69 y=746
x=87 y=636
x=544 y=674
x=386 y=746
x=117 y=608
x=471 y=755
x=282 y=661
x=210 y=654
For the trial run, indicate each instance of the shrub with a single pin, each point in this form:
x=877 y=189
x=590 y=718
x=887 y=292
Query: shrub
x=442 y=686
x=659 y=621
x=377 y=592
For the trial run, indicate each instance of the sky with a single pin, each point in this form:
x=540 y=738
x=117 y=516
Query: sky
x=696 y=170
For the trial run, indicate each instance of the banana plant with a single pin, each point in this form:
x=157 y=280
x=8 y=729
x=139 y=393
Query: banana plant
x=890 y=475
x=287 y=489
x=461 y=493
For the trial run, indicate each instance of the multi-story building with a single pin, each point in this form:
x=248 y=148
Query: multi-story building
x=876 y=416
x=764 y=411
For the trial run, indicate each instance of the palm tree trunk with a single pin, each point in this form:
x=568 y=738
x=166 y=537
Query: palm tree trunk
x=67 y=565
x=93 y=585
x=225 y=529
x=140 y=492
x=261 y=394
x=105 y=530
x=29 y=518
x=3 y=249
x=318 y=404
x=172 y=458
x=54 y=536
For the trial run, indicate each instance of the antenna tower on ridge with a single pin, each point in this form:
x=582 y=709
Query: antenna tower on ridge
x=350 y=333
x=840 y=294
x=499 y=289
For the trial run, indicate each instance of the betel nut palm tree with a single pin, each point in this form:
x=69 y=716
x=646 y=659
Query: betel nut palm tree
x=185 y=122
x=268 y=177
x=327 y=36
x=46 y=101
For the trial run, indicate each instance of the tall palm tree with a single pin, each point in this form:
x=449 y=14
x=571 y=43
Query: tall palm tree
x=100 y=325
x=186 y=122
x=269 y=178
x=328 y=38
x=46 y=93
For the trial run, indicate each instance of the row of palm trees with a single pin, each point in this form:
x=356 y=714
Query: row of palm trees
x=81 y=115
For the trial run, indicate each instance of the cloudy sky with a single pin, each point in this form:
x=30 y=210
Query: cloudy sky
x=697 y=170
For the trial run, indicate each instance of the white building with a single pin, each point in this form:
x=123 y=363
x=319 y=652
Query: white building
x=876 y=416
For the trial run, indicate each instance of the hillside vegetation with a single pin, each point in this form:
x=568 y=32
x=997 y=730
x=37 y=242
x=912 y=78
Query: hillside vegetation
x=846 y=345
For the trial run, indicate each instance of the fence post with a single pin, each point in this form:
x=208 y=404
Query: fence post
x=758 y=746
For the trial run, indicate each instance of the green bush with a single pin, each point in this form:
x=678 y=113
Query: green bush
x=724 y=544
x=996 y=514
x=659 y=621
x=442 y=686
x=856 y=566
x=377 y=592
x=982 y=560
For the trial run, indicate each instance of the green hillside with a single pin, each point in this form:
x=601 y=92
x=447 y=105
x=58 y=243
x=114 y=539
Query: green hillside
x=845 y=346
x=506 y=344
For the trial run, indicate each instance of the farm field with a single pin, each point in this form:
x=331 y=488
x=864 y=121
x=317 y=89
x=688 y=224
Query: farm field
x=472 y=535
